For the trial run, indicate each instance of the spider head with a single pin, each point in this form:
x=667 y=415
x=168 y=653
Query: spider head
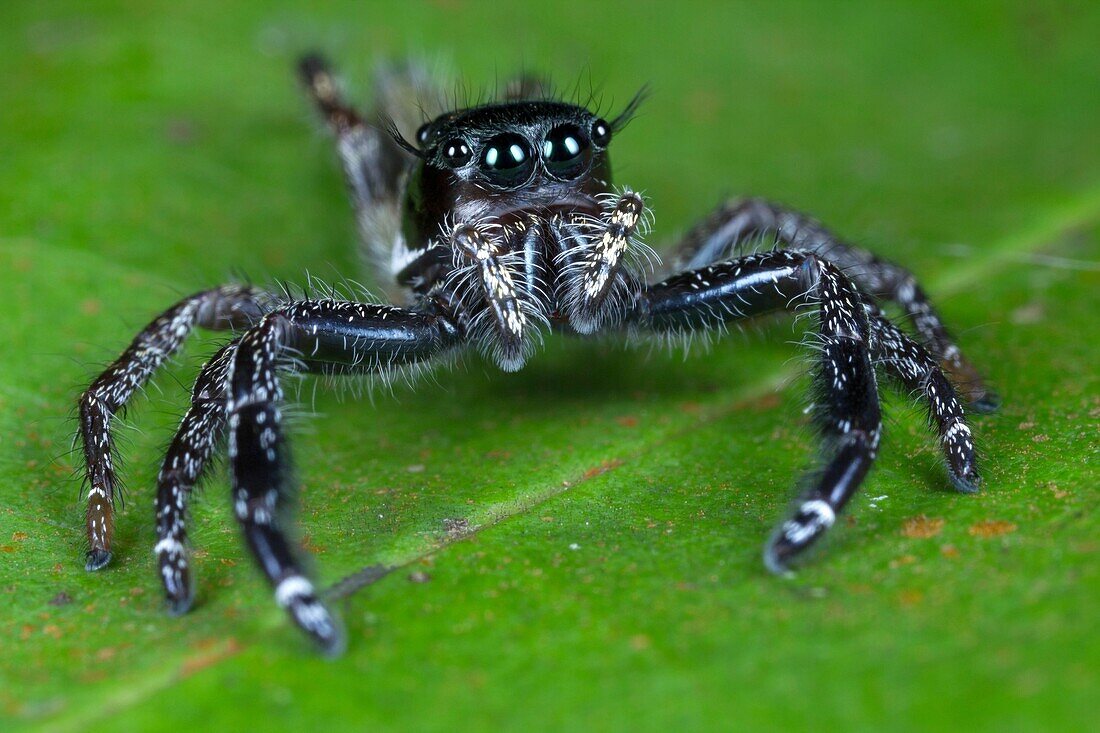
x=517 y=147
x=500 y=211
x=539 y=157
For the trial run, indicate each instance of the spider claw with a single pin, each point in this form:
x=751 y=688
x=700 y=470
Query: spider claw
x=775 y=559
x=781 y=555
x=296 y=595
x=969 y=483
x=311 y=615
x=97 y=559
x=179 y=605
x=793 y=537
x=179 y=594
x=311 y=65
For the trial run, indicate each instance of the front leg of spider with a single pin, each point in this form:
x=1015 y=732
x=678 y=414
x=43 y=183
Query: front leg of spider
x=325 y=336
x=200 y=433
x=846 y=405
x=751 y=221
x=228 y=306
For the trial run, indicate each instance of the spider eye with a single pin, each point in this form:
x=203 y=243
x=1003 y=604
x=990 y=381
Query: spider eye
x=566 y=152
x=506 y=159
x=601 y=133
x=422 y=133
x=456 y=153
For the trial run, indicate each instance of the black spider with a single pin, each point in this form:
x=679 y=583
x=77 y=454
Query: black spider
x=501 y=222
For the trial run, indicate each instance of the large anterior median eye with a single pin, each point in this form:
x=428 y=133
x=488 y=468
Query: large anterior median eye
x=566 y=152
x=506 y=159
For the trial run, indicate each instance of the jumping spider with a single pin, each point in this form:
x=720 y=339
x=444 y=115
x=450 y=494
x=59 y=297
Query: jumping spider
x=501 y=223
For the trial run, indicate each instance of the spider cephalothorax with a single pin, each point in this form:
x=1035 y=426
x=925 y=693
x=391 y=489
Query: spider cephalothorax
x=500 y=221
x=516 y=226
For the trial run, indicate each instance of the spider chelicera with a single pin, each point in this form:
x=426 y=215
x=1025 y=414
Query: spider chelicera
x=500 y=222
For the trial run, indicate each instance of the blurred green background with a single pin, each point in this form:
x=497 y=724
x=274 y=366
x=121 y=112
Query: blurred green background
x=610 y=577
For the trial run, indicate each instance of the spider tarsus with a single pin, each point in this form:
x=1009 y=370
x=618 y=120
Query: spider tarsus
x=315 y=73
x=790 y=543
x=777 y=553
x=179 y=605
x=311 y=65
x=333 y=646
x=970 y=483
x=97 y=559
x=314 y=618
x=179 y=593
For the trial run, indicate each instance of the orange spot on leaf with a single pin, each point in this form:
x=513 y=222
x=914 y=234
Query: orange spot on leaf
x=209 y=657
x=602 y=468
x=922 y=527
x=991 y=528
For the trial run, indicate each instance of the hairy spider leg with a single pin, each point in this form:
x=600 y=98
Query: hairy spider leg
x=372 y=161
x=228 y=306
x=746 y=220
x=325 y=336
x=910 y=366
x=200 y=432
x=846 y=409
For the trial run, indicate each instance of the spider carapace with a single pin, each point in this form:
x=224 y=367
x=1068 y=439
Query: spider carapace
x=500 y=222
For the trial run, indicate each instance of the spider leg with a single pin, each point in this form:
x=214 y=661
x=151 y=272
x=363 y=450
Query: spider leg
x=326 y=336
x=745 y=220
x=909 y=365
x=372 y=161
x=847 y=405
x=199 y=434
x=229 y=306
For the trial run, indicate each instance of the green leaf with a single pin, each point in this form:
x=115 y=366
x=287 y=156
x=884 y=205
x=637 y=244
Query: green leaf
x=590 y=528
